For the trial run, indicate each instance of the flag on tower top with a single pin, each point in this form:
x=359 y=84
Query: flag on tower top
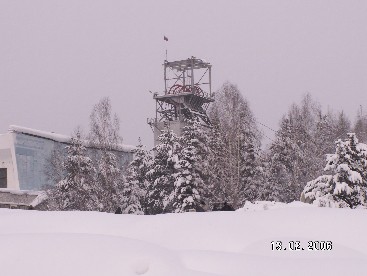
x=165 y=38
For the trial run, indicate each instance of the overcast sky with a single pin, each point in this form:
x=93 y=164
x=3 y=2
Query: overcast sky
x=58 y=58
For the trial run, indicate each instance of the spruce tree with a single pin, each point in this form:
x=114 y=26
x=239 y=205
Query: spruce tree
x=192 y=169
x=283 y=164
x=110 y=182
x=299 y=148
x=250 y=166
x=342 y=126
x=272 y=177
x=161 y=175
x=324 y=136
x=187 y=183
x=360 y=127
x=77 y=190
x=347 y=184
x=134 y=192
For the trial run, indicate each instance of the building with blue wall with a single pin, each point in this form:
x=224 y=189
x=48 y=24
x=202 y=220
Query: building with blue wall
x=24 y=153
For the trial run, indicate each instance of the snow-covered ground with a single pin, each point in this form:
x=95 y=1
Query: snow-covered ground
x=191 y=244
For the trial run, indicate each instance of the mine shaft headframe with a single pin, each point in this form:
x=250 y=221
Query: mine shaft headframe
x=191 y=75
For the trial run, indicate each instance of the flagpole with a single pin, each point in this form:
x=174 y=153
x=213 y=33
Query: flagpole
x=166 y=39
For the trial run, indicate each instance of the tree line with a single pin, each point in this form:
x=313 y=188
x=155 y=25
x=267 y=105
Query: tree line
x=204 y=166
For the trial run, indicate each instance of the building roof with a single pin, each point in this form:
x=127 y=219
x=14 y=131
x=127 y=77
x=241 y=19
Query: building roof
x=189 y=63
x=40 y=133
x=57 y=137
x=20 y=198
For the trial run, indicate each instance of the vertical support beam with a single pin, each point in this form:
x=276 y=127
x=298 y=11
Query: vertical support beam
x=156 y=111
x=192 y=74
x=210 y=81
x=165 y=78
x=178 y=112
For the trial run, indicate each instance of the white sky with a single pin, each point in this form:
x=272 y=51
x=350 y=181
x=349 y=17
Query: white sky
x=58 y=58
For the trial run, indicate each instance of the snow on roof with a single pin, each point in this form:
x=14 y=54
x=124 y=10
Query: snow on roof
x=19 y=192
x=16 y=197
x=40 y=133
x=57 y=137
x=42 y=196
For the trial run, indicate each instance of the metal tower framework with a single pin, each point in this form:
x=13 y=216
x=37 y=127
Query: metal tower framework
x=187 y=91
x=187 y=95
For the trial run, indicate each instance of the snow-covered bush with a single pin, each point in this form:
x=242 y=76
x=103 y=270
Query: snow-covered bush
x=347 y=185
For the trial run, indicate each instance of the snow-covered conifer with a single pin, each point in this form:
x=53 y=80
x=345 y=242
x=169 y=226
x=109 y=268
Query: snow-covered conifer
x=282 y=164
x=76 y=190
x=347 y=185
x=298 y=148
x=136 y=184
x=250 y=168
x=54 y=169
x=161 y=175
x=270 y=173
x=109 y=182
x=192 y=168
x=360 y=127
x=323 y=137
x=342 y=126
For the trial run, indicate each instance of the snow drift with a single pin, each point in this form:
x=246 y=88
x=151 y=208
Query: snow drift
x=191 y=244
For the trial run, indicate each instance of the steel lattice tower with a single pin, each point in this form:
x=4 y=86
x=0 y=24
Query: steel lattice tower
x=187 y=95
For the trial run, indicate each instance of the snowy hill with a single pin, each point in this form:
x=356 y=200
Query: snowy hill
x=190 y=244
